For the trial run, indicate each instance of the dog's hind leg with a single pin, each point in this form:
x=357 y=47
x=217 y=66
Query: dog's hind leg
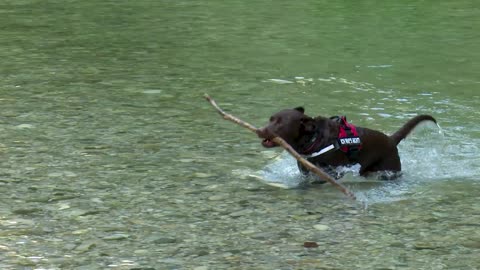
x=388 y=169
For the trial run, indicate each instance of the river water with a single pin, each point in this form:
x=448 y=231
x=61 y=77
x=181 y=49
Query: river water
x=112 y=159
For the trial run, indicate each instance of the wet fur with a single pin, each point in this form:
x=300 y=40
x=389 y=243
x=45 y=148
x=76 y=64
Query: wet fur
x=379 y=151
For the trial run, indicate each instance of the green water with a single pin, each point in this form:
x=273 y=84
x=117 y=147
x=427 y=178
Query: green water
x=111 y=159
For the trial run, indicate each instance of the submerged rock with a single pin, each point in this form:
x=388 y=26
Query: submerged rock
x=164 y=240
x=424 y=245
x=219 y=197
x=473 y=243
x=241 y=213
x=117 y=236
x=26 y=211
x=152 y=91
x=85 y=246
x=321 y=227
x=202 y=175
x=310 y=244
x=25 y=126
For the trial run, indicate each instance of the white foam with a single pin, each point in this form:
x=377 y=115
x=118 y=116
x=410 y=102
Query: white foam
x=427 y=155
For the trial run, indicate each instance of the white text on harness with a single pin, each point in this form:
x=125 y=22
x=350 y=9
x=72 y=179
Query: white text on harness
x=354 y=140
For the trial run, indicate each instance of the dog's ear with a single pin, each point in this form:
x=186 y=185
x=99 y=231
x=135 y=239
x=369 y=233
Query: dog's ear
x=300 y=109
x=307 y=125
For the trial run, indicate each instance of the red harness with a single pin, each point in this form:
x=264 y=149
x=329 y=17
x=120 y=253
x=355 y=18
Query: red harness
x=348 y=139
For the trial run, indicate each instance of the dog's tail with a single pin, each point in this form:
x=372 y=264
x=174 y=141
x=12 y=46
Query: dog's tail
x=409 y=126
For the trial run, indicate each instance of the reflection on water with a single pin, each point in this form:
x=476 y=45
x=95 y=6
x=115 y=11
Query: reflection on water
x=111 y=159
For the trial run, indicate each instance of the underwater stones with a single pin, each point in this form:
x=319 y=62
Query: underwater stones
x=310 y=244
x=26 y=211
x=25 y=126
x=248 y=231
x=280 y=81
x=173 y=263
x=63 y=206
x=81 y=231
x=304 y=217
x=55 y=174
x=25 y=261
x=440 y=214
x=164 y=240
x=397 y=245
x=152 y=91
x=200 y=251
x=141 y=252
x=471 y=243
x=186 y=160
x=241 y=213
x=73 y=212
x=424 y=245
x=321 y=227
x=96 y=147
x=18 y=222
x=116 y=236
x=263 y=236
x=254 y=187
x=218 y=197
x=311 y=263
x=202 y=175
x=61 y=197
x=269 y=154
x=101 y=185
x=96 y=200
x=85 y=246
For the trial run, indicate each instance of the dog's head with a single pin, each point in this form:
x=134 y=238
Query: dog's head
x=292 y=125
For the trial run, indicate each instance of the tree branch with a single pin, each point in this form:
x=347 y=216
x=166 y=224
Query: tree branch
x=287 y=147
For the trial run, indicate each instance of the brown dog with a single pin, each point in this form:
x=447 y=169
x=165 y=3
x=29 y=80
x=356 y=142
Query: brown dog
x=332 y=142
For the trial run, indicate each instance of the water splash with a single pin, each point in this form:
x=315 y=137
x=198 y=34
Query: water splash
x=430 y=154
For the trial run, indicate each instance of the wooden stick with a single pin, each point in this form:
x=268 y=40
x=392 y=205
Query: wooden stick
x=287 y=147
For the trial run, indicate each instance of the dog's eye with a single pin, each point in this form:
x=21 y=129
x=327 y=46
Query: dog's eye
x=272 y=119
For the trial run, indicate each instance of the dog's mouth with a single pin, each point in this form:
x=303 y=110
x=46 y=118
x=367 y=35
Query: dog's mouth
x=267 y=137
x=268 y=143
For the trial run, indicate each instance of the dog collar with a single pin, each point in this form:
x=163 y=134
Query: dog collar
x=313 y=144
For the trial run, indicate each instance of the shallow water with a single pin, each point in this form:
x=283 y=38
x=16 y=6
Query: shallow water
x=111 y=159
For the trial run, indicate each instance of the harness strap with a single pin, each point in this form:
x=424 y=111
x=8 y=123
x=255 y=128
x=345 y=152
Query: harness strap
x=321 y=151
x=348 y=140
